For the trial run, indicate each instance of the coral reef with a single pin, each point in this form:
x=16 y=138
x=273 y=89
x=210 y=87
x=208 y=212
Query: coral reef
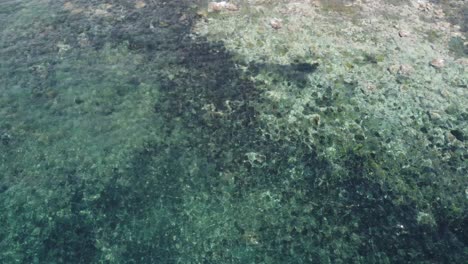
x=293 y=131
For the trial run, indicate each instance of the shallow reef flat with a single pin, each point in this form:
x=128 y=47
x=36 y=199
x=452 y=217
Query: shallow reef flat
x=256 y=131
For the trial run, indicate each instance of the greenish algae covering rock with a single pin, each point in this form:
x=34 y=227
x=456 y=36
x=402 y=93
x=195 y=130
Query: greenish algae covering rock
x=158 y=132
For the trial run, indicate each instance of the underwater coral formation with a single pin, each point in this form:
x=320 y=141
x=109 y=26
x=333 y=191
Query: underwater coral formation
x=274 y=132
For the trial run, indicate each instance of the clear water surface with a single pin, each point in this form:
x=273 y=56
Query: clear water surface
x=255 y=131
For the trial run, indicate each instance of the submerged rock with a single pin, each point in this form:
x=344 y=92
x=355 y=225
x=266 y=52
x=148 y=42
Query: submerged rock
x=276 y=23
x=404 y=33
x=140 y=4
x=221 y=6
x=405 y=69
x=438 y=63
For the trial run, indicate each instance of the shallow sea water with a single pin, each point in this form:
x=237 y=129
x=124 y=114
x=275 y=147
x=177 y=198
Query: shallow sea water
x=287 y=131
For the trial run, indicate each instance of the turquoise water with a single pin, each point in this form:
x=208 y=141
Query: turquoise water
x=127 y=136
